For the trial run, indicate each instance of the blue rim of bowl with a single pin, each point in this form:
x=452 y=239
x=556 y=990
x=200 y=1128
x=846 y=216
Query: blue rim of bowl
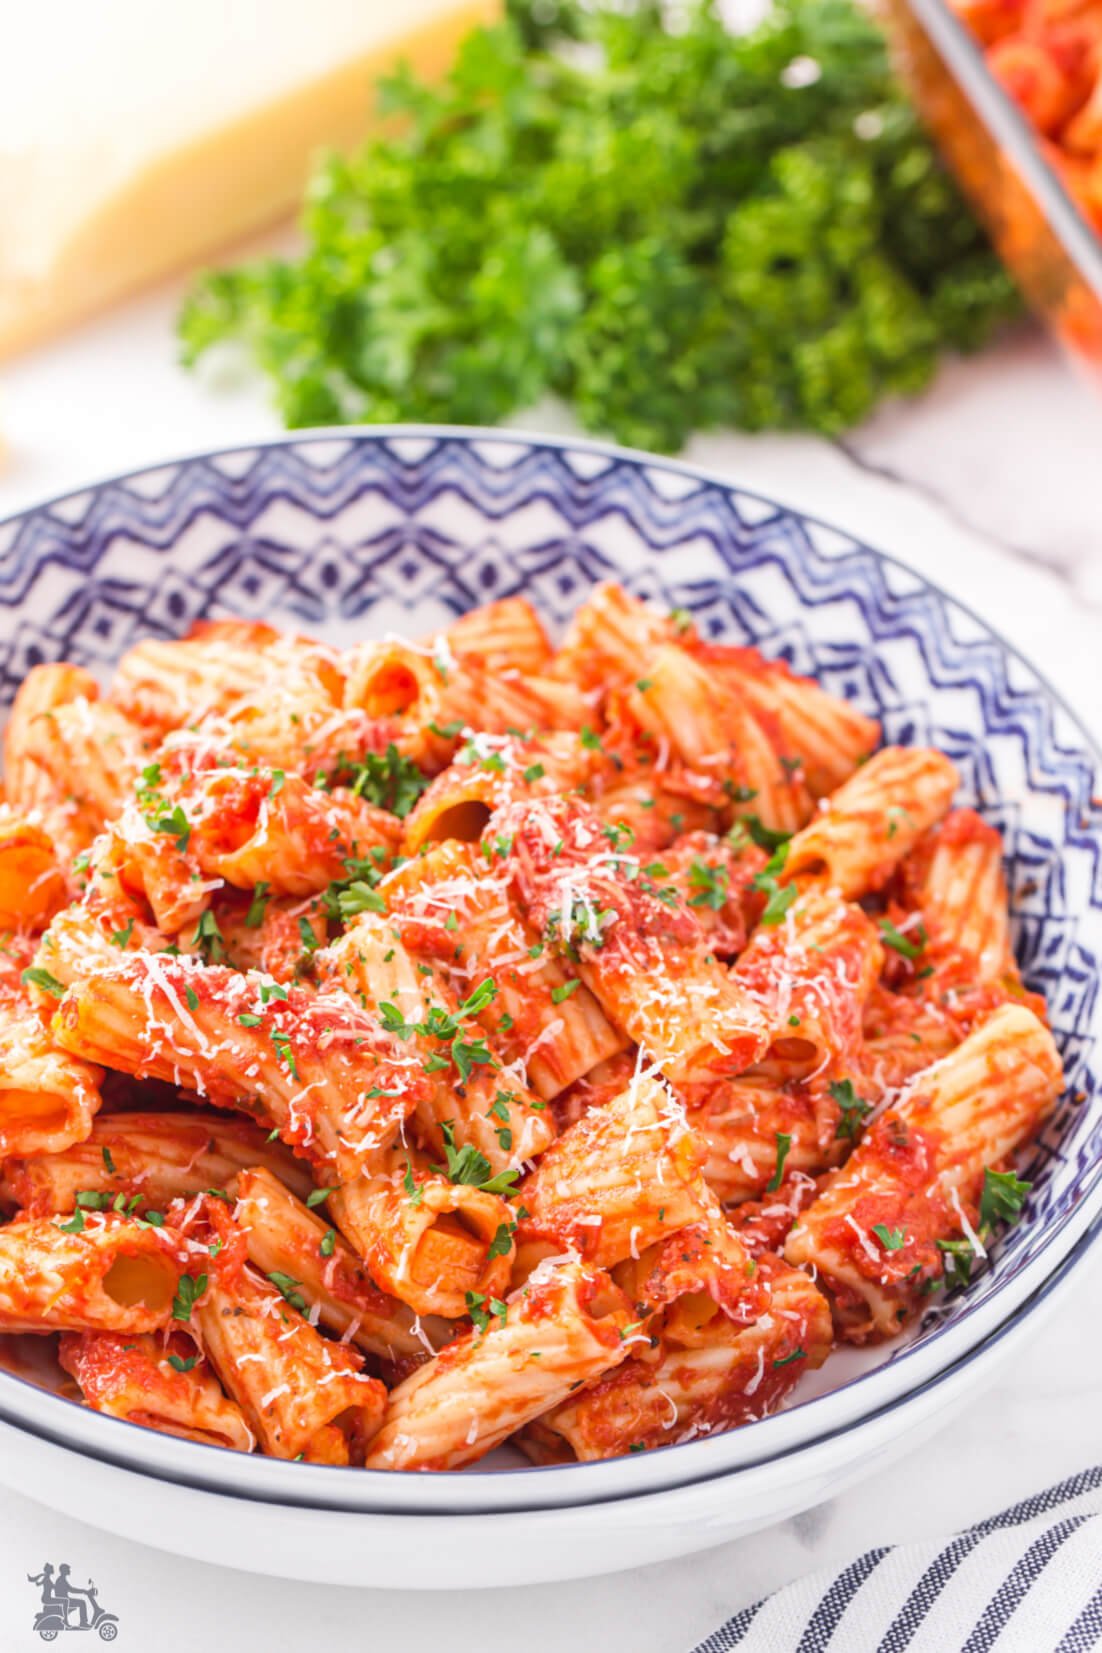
x=536 y=442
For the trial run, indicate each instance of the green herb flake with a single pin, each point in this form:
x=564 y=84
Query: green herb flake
x=901 y=944
x=287 y=1287
x=179 y=1364
x=1003 y=1197
x=501 y=1244
x=469 y=1167
x=188 y=1291
x=391 y=782
x=258 y=906
x=710 y=884
x=36 y=977
x=784 y=1143
x=854 y=1109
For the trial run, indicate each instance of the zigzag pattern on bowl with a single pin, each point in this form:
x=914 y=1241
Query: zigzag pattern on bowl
x=360 y=534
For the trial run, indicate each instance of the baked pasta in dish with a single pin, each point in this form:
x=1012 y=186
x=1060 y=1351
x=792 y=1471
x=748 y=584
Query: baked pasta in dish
x=432 y=1044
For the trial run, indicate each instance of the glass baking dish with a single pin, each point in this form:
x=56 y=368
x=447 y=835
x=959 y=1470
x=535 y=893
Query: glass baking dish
x=1038 y=230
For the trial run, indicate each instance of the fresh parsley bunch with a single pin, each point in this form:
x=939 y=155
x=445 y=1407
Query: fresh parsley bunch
x=673 y=229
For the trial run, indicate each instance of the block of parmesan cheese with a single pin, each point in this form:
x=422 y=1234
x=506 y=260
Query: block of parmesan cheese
x=138 y=136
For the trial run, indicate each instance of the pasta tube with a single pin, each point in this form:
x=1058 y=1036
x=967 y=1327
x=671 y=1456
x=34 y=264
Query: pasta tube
x=48 y=1098
x=148 y=1158
x=542 y=1025
x=877 y=1233
x=641 y=950
x=707 y=1373
x=874 y=820
x=164 y=1386
x=712 y=730
x=467 y=1088
x=301 y=1395
x=627 y=1174
x=285 y=1238
x=431 y=1242
x=564 y=1328
x=825 y=736
x=98 y=1272
x=335 y=1085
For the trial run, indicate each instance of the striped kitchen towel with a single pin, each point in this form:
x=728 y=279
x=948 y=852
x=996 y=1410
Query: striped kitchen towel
x=1026 y=1581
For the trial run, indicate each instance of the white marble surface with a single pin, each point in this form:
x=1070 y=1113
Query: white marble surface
x=990 y=484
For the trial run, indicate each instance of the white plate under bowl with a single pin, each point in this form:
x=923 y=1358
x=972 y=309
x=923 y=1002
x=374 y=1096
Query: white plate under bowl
x=355 y=533
x=532 y=1546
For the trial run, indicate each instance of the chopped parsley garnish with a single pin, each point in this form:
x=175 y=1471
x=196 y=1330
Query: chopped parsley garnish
x=391 y=781
x=892 y=1239
x=534 y=772
x=564 y=990
x=121 y=938
x=415 y=1192
x=786 y=1360
x=208 y=938
x=317 y=1196
x=957 y=1258
x=784 y=1143
x=258 y=906
x=1003 y=1197
x=854 y=1109
x=181 y=1365
x=34 y=976
x=482 y=1311
x=176 y=823
x=470 y=1167
x=710 y=883
x=765 y=837
x=358 y=897
x=446 y=1025
x=502 y=1242
x=287 y=1287
x=901 y=944
x=328 y=1243
x=188 y=1292
x=282 y=1043
x=779 y=897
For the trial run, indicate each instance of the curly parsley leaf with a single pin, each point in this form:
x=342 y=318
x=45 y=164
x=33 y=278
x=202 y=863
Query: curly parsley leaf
x=390 y=781
x=1003 y=1197
x=854 y=1109
x=188 y=1292
x=658 y=227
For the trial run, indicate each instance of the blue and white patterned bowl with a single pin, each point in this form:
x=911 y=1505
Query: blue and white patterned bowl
x=359 y=533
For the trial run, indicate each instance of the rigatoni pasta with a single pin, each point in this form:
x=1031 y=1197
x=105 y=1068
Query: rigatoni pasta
x=415 y=1047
